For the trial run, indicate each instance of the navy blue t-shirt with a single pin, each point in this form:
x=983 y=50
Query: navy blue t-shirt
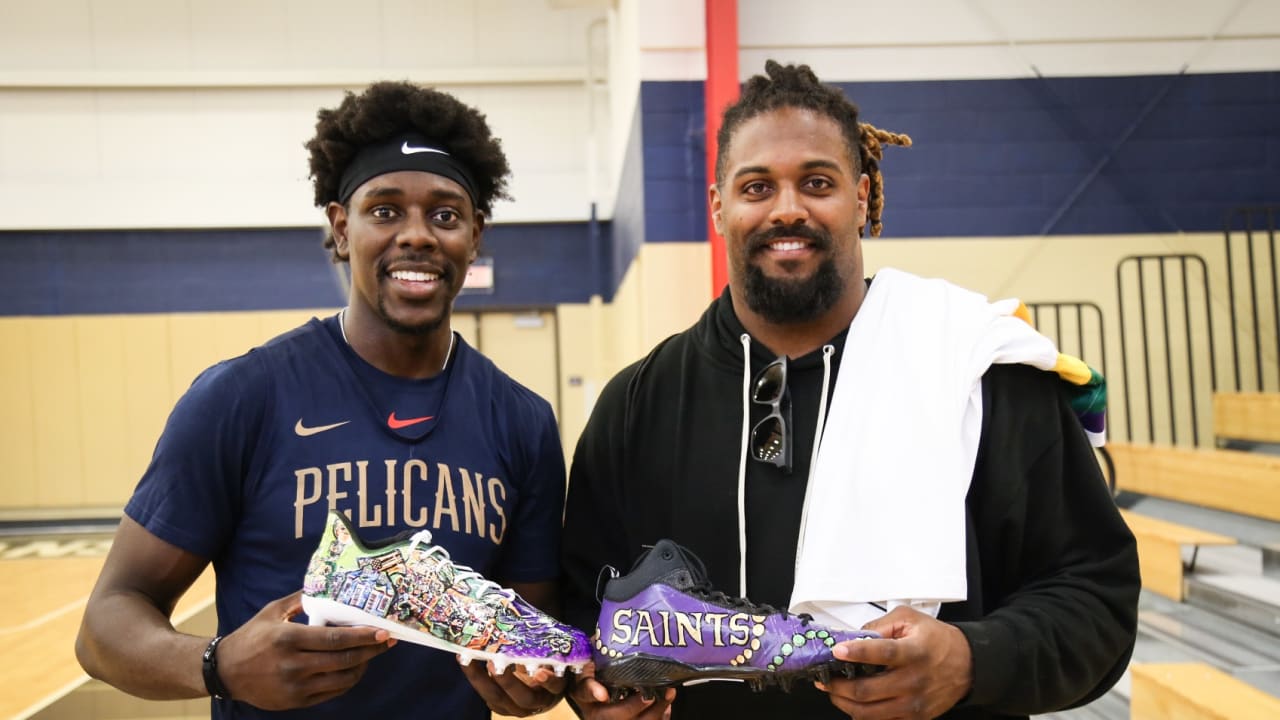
x=262 y=446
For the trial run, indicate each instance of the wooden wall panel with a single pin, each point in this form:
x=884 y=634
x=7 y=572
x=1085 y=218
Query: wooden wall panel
x=17 y=399
x=467 y=325
x=148 y=393
x=102 y=408
x=524 y=346
x=278 y=322
x=58 y=443
x=86 y=397
x=191 y=344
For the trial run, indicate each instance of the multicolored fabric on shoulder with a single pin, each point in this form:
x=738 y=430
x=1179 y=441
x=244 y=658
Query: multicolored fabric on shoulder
x=1088 y=389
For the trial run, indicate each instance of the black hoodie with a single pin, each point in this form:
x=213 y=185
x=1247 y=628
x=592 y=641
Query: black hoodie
x=1052 y=568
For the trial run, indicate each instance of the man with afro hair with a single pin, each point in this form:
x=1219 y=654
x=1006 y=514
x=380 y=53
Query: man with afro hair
x=381 y=412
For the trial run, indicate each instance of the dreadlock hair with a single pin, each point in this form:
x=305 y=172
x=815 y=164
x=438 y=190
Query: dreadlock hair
x=386 y=109
x=797 y=86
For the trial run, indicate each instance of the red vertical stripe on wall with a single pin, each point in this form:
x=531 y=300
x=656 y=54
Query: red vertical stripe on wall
x=720 y=91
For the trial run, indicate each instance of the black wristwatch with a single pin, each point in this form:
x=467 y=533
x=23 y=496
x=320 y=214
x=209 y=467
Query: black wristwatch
x=212 y=682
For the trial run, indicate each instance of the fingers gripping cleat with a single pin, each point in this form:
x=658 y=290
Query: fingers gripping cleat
x=412 y=589
x=618 y=694
x=662 y=624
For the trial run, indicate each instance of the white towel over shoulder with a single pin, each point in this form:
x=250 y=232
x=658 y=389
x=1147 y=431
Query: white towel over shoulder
x=884 y=518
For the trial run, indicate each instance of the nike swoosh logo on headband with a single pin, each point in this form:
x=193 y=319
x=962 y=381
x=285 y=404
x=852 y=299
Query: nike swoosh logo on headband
x=408 y=149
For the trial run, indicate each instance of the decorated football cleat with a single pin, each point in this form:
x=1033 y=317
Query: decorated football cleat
x=412 y=589
x=662 y=624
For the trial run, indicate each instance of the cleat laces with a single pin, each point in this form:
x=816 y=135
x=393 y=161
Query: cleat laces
x=422 y=540
x=703 y=588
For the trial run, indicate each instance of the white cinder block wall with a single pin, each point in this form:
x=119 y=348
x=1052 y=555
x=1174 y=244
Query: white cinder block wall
x=162 y=114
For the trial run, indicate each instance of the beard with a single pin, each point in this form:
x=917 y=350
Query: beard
x=419 y=330
x=788 y=300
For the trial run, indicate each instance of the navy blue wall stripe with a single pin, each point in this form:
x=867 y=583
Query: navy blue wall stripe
x=992 y=158
x=68 y=273
x=1017 y=156
x=543 y=264
x=675 y=184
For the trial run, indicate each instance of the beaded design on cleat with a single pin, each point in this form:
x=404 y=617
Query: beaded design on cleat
x=662 y=624
x=412 y=589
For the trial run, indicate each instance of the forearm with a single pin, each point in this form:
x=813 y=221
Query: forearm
x=130 y=644
x=1064 y=634
x=1027 y=662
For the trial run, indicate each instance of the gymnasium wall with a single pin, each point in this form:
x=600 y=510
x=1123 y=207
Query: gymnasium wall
x=1083 y=132
x=157 y=220
x=155 y=114
x=1085 y=269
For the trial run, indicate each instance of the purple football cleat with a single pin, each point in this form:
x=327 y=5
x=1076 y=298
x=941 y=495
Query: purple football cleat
x=411 y=588
x=662 y=624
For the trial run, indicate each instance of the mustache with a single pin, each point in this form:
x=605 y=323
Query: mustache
x=444 y=269
x=820 y=239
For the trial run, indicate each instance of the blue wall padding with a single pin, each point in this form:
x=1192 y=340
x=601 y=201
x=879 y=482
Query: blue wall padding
x=87 y=272
x=991 y=158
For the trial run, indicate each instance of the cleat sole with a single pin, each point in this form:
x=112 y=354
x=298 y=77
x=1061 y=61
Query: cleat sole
x=322 y=611
x=645 y=673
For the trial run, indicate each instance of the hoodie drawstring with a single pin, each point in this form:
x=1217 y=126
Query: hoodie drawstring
x=742 y=464
x=827 y=351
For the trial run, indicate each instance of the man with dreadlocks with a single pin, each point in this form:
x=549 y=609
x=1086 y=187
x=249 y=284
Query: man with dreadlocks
x=807 y=440
x=381 y=412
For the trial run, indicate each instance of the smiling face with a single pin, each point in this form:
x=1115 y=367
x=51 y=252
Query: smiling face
x=409 y=237
x=790 y=208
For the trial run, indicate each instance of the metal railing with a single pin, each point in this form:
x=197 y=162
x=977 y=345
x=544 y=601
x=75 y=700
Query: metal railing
x=1096 y=353
x=1173 y=285
x=1255 y=228
x=1055 y=320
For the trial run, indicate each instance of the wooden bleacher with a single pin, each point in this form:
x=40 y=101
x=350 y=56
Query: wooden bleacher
x=1232 y=480
x=1247 y=416
x=1194 y=691
x=1235 y=481
x=1160 y=548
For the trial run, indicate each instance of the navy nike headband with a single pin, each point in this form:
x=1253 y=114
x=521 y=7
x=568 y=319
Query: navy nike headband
x=407 y=151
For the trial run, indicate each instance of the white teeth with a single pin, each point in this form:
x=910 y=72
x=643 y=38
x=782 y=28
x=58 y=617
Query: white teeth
x=788 y=245
x=414 y=276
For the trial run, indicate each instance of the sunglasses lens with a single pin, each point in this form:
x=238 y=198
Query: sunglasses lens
x=767 y=440
x=770 y=382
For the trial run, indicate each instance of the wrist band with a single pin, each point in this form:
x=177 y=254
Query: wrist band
x=209 y=663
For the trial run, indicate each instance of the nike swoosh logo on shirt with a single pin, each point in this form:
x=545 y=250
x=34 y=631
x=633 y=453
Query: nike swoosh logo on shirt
x=304 y=431
x=396 y=423
x=408 y=149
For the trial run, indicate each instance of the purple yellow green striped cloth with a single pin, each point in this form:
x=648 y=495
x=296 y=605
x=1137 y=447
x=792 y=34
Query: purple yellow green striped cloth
x=1086 y=386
